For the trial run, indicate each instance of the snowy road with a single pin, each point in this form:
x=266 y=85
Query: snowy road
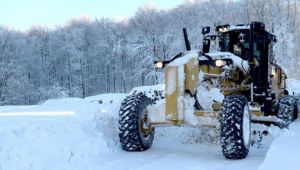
x=87 y=140
x=176 y=156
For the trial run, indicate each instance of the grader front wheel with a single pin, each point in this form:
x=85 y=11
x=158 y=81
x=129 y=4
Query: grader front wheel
x=134 y=131
x=235 y=127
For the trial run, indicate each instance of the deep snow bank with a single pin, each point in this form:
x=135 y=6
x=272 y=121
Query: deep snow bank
x=284 y=152
x=293 y=86
x=33 y=138
x=47 y=142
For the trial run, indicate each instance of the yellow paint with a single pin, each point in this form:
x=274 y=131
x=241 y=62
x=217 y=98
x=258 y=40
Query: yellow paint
x=278 y=81
x=217 y=106
x=210 y=69
x=257 y=113
x=192 y=75
x=206 y=113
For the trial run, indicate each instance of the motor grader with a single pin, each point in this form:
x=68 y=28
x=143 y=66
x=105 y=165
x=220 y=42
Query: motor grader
x=227 y=88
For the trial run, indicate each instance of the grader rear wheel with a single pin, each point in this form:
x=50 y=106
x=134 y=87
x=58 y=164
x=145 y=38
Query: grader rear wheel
x=287 y=110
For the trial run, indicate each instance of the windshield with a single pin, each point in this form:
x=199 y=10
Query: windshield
x=237 y=42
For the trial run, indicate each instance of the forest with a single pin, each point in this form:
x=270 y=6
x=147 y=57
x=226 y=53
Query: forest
x=88 y=57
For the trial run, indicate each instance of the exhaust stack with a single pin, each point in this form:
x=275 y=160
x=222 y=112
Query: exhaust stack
x=186 y=40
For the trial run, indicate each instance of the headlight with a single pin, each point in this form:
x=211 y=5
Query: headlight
x=159 y=65
x=220 y=63
x=273 y=71
x=224 y=29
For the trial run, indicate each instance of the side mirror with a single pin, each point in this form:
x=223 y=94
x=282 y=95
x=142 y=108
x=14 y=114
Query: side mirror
x=206 y=45
x=205 y=30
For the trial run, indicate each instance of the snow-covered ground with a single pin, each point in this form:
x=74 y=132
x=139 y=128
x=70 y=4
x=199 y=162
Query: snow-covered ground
x=81 y=134
x=284 y=152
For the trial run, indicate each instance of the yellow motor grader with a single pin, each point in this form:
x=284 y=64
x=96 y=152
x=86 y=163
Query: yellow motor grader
x=227 y=89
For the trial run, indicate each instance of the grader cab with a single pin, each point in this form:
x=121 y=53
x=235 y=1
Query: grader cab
x=226 y=89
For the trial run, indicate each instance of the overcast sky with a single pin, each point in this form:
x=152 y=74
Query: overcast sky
x=22 y=14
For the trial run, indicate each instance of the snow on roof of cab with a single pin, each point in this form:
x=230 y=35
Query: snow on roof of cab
x=238 y=27
x=219 y=54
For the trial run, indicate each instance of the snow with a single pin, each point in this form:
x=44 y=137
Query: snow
x=284 y=152
x=208 y=96
x=88 y=140
x=181 y=88
x=157 y=111
x=148 y=90
x=58 y=142
x=293 y=86
x=246 y=126
x=266 y=118
x=189 y=116
x=239 y=27
x=185 y=58
x=171 y=82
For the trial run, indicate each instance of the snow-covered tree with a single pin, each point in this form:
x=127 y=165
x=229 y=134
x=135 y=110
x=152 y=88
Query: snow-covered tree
x=88 y=57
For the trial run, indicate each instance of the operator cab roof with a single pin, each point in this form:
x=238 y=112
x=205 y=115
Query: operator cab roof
x=239 y=27
x=227 y=28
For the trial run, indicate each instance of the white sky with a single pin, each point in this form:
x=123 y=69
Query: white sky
x=23 y=14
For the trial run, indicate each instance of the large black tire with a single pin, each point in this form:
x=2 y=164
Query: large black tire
x=296 y=111
x=235 y=127
x=134 y=132
x=287 y=110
